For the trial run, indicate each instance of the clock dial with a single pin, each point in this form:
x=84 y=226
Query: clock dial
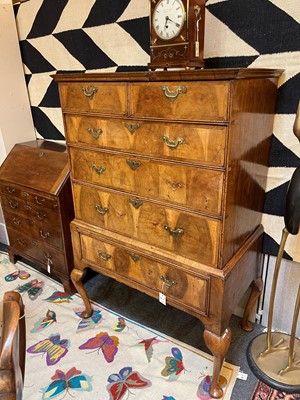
x=168 y=18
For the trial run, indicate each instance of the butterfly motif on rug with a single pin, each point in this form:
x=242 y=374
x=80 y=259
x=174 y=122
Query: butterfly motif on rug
x=102 y=341
x=88 y=323
x=34 y=288
x=17 y=274
x=126 y=379
x=148 y=345
x=45 y=322
x=203 y=388
x=174 y=365
x=53 y=347
x=65 y=382
x=120 y=325
x=168 y=398
x=59 y=297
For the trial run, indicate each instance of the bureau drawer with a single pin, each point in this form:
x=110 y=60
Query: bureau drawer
x=188 y=235
x=193 y=101
x=175 y=183
x=204 y=144
x=38 y=250
x=28 y=196
x=187 y=288
x=105 y=98
x=37 y=229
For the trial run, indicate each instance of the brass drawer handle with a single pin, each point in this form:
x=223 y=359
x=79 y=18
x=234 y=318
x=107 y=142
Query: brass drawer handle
x=89 y=91
x=133 y=164
x=34 y=242
x=27 y=207
x=132 y=127
x=21 y=242
x=168 y=283
x=44 y=235
x=174 y=233
x=173 y=143
x=174 y=185
x=135 y=257
x=39 y=201
x=47 y=256
x=136 y=203
x=16 y=221
x=40 y=216
x=94 y=133
x=13 y=204
x=173 y=94
x=104 y=256
x=101 y=210
x=10 y=190
x=25 y=194
x=99 y=170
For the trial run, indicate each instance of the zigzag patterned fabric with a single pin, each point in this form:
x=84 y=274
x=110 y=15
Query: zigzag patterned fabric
x=103 y=35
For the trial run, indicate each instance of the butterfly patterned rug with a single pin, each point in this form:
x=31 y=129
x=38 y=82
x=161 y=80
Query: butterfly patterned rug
x=105 y=357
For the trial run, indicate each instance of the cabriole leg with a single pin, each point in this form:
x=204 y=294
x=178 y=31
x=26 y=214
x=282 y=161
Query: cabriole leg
x=255 y=293
x=76 y=276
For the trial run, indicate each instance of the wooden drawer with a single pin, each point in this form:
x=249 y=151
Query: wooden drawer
x=203 y=144
x=26 y=195
x=38 y=250
x=192 y=290
x=50 y=234
x=186 y=234
x=174 y=183
x=193 y=101
x=105 y=98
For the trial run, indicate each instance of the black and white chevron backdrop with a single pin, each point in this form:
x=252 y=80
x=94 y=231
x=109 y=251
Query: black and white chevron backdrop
x=113 y=35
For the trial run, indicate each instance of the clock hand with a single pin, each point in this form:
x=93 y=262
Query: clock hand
x=176 y=23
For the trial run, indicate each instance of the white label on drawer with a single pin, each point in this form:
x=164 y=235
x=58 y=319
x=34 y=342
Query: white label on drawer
x=162 y=298
x=241 y=375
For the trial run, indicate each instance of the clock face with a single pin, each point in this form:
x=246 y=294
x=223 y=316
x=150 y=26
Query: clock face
x=168 y=18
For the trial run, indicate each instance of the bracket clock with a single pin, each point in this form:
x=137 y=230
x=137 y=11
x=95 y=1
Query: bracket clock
x=176 y=33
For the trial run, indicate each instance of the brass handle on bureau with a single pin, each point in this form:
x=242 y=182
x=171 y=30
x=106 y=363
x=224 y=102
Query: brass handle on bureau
x=39 y=201
x=13 y=204
x=101 y=210
x=44 y=235
x=94 y=133
x=27 y=207
x=173 y=94
x=40 y=215
x=10 y=190
x=174 y=233
x=168 y=283
x=99 y=170
x=173 y=143
x=21 y=242
x=136 y=203
x=133 y=164
x=89 y=91
x=135 y=257
x=16 y=221
x=104 y=256
x=132 y=127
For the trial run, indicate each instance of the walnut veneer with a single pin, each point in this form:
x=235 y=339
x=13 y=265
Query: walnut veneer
x=37 y=206
x=168 y=173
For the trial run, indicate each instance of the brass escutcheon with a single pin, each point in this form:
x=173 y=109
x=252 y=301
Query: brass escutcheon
x=168 y=283
x=131 y=127
x=99 y=170
x=104 y=256
x=40 y=216
x=136 y=203
x=94 y=133
x=101 y=210
x=44 y=235
x=173 y=94
x=174 y=233
x=172 y=143
x=135 y=257
x=39 y=201
x=133 y=164
x=89 y=91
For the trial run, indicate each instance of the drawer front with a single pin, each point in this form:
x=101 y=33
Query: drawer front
x=38 y=250
x=193 y=101
x=188 y=235
x=189 y=289
x=36 y=229
x=199 y=143
x=105 y=98
x=28 y=196
x=32 y=211
x=174 y=183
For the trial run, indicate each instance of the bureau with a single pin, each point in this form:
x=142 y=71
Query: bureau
x=168 y=172
x=37 y=206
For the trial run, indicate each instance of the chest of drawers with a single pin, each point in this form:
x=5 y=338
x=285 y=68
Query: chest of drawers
x=37 y=206
x=168 y=172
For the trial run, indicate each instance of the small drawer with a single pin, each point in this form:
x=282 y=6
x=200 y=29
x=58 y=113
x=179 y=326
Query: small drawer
x=193 y=101
x=202 y=144
x=192 y=236
x=22 y=194
x=177 y=284
x=104 y=98
x=175 y=183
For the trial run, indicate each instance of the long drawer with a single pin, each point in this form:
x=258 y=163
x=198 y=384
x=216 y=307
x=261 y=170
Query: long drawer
x=186 y=234
x=196 y=188
x=204 y=144
x=28 y=196
x=172 y=100
x=185 y=287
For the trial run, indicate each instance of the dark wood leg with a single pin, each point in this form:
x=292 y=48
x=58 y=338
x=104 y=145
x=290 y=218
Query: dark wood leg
x=255 y=293
x=76 y=276
x=68 y=285
x=218 y=345
x=12 y=256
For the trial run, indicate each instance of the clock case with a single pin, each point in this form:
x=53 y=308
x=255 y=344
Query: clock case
x=180 y=52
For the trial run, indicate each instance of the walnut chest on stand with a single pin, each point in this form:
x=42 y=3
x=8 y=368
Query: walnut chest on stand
x=168 y=172
x=37 y=205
